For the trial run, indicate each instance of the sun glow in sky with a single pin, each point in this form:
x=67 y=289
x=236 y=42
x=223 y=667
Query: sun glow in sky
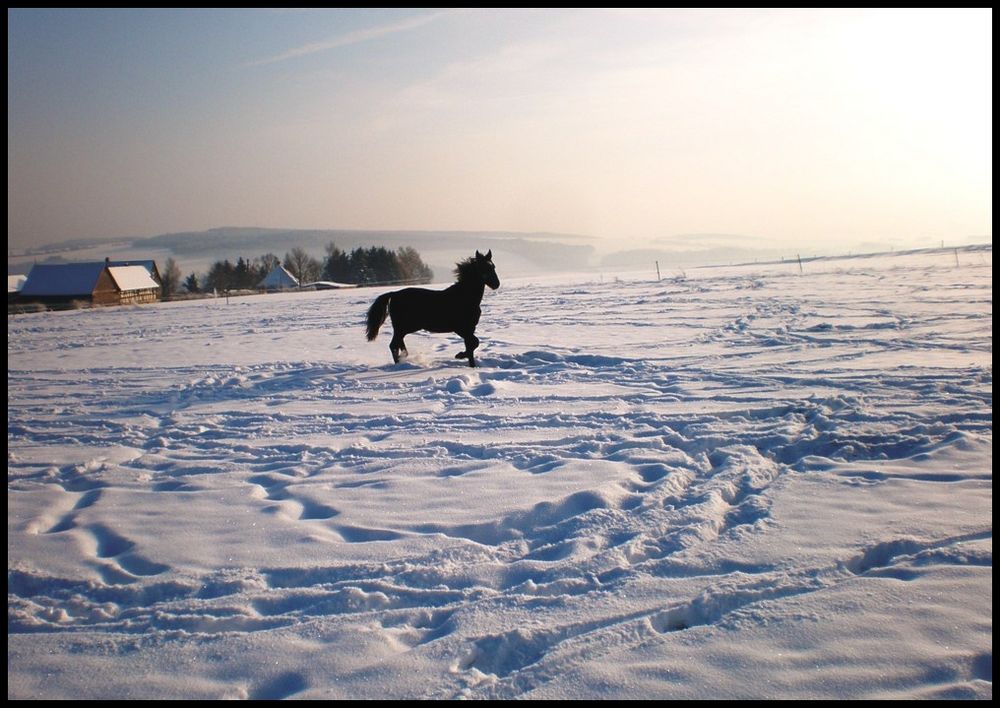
x=823 y=128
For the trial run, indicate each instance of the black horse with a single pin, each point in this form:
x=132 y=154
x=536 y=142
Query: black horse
x=455 y=309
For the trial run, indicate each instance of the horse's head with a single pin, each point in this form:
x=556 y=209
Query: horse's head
x=486 y=270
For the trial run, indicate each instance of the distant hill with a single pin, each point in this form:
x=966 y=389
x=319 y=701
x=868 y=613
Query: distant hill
x=684 y=250
x=226 y=237
x=195 y=251
x=439 y=249
x=250 y=241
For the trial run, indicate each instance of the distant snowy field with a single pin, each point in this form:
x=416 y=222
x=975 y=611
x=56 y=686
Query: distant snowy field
x=733 y=483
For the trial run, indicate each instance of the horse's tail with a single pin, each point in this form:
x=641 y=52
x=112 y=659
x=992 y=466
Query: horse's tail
x=377 y=314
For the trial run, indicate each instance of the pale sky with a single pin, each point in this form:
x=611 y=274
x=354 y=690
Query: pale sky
x=796 y=127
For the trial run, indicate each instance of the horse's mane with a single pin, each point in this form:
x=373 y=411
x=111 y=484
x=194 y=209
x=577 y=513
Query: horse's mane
x=466 y=271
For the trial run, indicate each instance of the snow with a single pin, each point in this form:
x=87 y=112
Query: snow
x=747 y=482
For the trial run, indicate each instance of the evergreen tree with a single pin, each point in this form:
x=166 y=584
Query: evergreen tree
x=244 y=277
x=220 y=276
x=337 y=266
x=386 y=265
x=360 y=268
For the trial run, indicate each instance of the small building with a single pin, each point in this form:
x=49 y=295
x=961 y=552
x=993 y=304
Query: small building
x=14 y=285
x=149 y=265
x=278 y=279
x=69 y=284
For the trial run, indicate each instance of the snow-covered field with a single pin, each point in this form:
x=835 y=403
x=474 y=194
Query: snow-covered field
x=735 y=483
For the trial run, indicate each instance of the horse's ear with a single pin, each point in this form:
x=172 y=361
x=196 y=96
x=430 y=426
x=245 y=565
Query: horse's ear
x=489 y=255
x=479 y=256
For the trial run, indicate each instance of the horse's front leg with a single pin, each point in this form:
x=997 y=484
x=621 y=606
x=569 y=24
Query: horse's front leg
x=471 y=342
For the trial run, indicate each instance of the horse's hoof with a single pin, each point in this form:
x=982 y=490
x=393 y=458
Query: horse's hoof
x=462 y=355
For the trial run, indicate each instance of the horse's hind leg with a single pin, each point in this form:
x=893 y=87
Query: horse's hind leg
x=397 y=347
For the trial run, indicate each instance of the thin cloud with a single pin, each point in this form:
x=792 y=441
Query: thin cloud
x=355 y=37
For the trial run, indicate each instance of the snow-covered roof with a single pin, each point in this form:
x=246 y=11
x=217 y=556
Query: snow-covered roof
x=15 y=283
x=327 y=285
x=133 y=277
x=46 y=279
x=279 y=278
x=149 y=265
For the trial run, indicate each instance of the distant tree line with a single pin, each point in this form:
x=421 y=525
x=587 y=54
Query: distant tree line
x=244 y=274
x=362 y=266
x=370 y=266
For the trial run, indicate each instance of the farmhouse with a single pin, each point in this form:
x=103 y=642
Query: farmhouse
x=135 y=284
x=67 y=284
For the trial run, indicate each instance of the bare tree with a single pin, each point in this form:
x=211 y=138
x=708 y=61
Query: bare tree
x=295 y=262
x=412 y=268
x=303 y=266
x=268 y=262
x=171 y=277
